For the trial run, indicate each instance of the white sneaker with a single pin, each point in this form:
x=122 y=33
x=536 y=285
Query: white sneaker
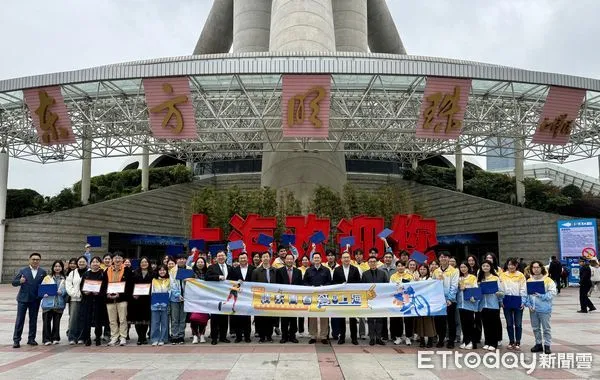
x=202 y=339
x=161 y=343
x=469 y=346
x=113 y=342
x=491 y=348
x=155 y=343
x=48 y=344
x=462 y=345
x=486 y=347
x=56 y=342
x=123 y=342
x=71 y=342
x=195 y=340
x=408 y=343
x=398 y=341
x=499 y=343
x=80 y=342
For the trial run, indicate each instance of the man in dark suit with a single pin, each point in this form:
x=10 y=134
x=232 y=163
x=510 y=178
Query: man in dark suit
x=290 y=276
x=346 y=274
x=374 y=276
x=29 y=280
x=219 y=271
x=242 y=323
x=317 y=275
x=266 y=274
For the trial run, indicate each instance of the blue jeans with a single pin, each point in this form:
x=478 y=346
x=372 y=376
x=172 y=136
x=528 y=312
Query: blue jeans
x=514 y=325
x=159 y=329
x=22 y=308
x=177 y=320
x=540 y=322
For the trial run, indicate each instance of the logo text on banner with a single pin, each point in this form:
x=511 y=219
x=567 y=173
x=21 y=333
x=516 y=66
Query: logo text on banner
x=558 y=116
x=305 y=104
x=443 y=108
x=49 y=115
x=422 y=298
x=170 y=107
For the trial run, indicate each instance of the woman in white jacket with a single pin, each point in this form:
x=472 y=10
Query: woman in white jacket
x=73 y=286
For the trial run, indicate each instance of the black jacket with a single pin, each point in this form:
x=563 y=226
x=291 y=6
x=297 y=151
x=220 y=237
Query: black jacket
x=317 y=277
x=283 y=278
x=353 y=275
x=260 y=275
x=214 y=271
x=127 y=278
x=585 y=275
x=555 y=269
x=374 y=276
x=236 y=273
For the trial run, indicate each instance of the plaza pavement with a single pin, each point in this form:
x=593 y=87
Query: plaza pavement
x=573 y=333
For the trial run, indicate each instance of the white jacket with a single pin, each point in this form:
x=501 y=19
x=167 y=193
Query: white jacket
x=72 y=284
x=595 y=273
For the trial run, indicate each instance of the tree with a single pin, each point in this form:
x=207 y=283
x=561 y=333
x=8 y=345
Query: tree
x=572 y=192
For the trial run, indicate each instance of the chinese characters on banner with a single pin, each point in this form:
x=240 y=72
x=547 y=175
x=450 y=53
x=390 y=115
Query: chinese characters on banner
x=443 y=108
x=170 y=107
x=305 y=103
x=558 y=116
x=49 y=114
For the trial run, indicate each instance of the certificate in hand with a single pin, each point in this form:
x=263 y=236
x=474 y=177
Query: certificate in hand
x=141 y=289
x=115 y=287
x=92 y=286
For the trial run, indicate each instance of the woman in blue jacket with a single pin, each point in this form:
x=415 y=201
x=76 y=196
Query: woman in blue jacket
x=489 y=306
x=53 y=306
x=540 y=308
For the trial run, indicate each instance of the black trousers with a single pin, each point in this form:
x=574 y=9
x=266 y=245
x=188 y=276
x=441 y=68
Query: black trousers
x=51 y=326
x=289 y=327
x=91 y=314
x=478 y=328
x=301 y=325
x=557 y=283
x=375 y=327
x=218 y=326
x=264 y=326
x=584 y=300
x=141 y=331
x=341 y=323
x=443 y=323
x=491 y=326
x=242 y=324
x=22 y=308
x=467 y=322
x=384 y=328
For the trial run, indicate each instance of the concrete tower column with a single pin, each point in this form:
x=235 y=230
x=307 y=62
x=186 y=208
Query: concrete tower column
x=145 y=168
x=519 y=170
x=383 y=34
x=303 y=26
x=251 y=25
x=86 y=170
x=217 y=34
x=3 y=190
x=350 y=21
x=459 y=168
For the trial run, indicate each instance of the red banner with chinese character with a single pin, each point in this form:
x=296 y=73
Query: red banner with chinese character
x=443 y=108
x=49 y=115
x=558 y=116
x=170 y=108
x=305 y=103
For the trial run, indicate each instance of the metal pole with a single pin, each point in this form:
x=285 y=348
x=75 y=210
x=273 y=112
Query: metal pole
x=459 y=168
x=86 y=170
x=3 y=190
x=145 y=169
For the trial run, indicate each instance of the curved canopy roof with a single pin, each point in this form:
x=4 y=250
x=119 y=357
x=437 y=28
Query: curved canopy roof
x=375 y=105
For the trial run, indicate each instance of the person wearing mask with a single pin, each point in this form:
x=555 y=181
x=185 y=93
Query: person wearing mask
x=346 y=274
x=540 y=308
x=374 y=276
x=93 y=304
x=513 y=283
x=116 y=303
x=489 y=306
x=219 y=271
x=28 y=279
x=554 y=272
x=138 y=308
x=467 y=306
x=585 y=285
x=159 y=330
x=265 y=274
x=199 y=321
x=317 y=275
x=73 y=288
x=425 y=326
x=401 y=326
x=243 y=323
x=449 y=277
x=53 y=306
x=289 y=275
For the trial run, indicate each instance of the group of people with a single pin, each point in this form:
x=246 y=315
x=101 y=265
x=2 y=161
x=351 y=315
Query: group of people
x=89 y=286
